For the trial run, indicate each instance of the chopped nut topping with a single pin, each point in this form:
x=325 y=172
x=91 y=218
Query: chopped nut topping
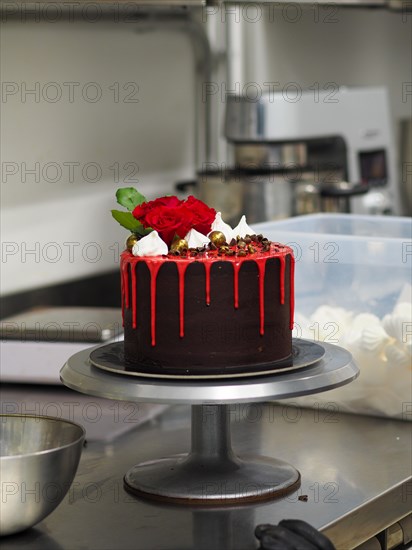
x=240 y=247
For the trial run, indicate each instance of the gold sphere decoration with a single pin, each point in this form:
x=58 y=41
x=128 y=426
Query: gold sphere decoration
x=179 y=245
x=131 y=241
x=217 y=238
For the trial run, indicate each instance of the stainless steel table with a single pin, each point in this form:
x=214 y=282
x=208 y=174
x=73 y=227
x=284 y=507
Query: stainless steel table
x=355 y=472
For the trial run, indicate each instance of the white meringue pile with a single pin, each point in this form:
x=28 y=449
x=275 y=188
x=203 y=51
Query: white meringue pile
x=150 y=245
x=195 y=239
x=153 y=245
x=382 y=349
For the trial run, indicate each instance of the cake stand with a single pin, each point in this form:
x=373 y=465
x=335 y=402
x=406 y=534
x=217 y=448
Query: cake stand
x=212 y=474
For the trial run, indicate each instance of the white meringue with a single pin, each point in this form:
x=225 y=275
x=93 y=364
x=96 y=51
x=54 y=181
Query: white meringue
x=398 y=326
x=404 y=309
x=374 y=338
x=397 y=357
x=150 y=245
x=381 y=348
x=330 y=323
x=364 y=321
x=220 y=225
x=242 y=229
x=196 y=239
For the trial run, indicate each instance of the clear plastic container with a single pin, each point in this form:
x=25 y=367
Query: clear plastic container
x=353 y=288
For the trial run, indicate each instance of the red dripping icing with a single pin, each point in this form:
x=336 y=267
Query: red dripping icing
x=292 y=291
x=181 y=268
x=154 y=266
x=262 y=268
x=236 y=268
x=126 y=284
x=134 y=297
x=282 y=279
x=122 y=290
x=207 y=273
x=154 y=270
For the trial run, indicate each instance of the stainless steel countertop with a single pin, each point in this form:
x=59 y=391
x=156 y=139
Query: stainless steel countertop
x=356 y=472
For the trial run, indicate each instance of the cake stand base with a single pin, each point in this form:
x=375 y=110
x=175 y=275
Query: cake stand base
x=211 y=473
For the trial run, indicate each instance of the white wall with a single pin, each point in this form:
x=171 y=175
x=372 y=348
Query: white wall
x=345 y=46
x=352 y=47
x=293 y=47
x=151 y=140
x=290 y=47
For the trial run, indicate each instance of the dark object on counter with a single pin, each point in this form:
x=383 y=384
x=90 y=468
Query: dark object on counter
x=262 y=193
x=63 y=324
x=336 y=197
x=97 y=291
x=291 y=534
x=405 y=165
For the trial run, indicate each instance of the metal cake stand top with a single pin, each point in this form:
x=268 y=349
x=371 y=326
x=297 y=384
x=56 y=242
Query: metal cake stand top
x=336 y=368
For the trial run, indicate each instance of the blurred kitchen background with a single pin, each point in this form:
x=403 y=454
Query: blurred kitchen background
x=105 y=96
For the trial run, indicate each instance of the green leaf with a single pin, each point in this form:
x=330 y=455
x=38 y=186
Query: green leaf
x=129 y=197
x=127 y=220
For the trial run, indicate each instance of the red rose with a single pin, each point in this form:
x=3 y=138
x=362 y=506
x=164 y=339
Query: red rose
x=170 y=216
x=141 y=210
x=168 y=222
x=202 y=215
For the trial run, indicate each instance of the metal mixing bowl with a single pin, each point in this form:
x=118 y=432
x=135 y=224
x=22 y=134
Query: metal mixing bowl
x=39 y=456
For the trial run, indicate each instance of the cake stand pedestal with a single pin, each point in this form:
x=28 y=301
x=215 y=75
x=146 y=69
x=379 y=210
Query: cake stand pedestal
x=212 y=474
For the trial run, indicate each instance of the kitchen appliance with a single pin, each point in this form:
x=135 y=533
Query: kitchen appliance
x=406 y=165
x=343 y=135
x=262 y=193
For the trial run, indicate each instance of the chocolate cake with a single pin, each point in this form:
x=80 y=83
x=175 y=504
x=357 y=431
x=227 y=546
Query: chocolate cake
x=198 y=296
x=210 y=310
